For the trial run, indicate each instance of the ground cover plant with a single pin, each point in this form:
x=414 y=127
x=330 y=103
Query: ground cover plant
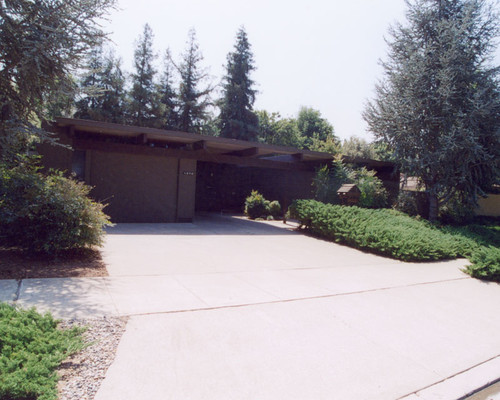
x=397 y=235
x=31 y=348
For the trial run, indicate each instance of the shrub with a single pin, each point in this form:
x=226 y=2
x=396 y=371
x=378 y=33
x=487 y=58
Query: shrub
x=47 y=213
x=383 y=231
x=373 y=192
x=31 y=348
x=328 y=180
x=395 y=234
x=485 y=263
x=256 y=206
x=275 y=209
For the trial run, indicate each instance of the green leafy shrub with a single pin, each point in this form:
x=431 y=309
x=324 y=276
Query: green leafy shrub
x=31 y=348
x=256 y=206
x=373 y=192
x=275 y=209
x=47 y=214
x=328 y=180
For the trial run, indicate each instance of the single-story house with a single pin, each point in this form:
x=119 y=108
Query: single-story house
x=154 y=175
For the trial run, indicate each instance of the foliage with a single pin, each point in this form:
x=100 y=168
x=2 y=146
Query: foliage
x=256 y=206
x=145 y=106
x=407 y=202
x=47 y=213
x=193 y=101
x=395 y=234
x=275 y=209
x=41 y=43
x=168 y=94
x=358 y=148
x=313 y=127
x=438 y=108
x=237 y=119
x=31 y=348
x=329 y=145
x=383 y=231
x=373 y=192
x=103 y=88
x=328 y=181
x=485 y=263
x=275 y=130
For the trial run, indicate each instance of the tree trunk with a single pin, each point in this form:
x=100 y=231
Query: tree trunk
x=433 y=207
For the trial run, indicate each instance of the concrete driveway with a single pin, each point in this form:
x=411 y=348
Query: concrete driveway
x=226 y=308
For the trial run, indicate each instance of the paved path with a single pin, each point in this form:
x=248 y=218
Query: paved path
x=231 y=309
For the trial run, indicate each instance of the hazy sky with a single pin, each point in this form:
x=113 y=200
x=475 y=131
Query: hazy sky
x=318 y=53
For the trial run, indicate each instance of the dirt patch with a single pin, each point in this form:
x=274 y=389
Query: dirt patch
x=81 y=263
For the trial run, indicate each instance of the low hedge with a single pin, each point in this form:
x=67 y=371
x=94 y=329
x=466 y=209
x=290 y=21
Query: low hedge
x=386 y=232
x=394 y=234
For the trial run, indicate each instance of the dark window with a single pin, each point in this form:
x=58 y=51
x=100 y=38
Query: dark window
x=78 y=165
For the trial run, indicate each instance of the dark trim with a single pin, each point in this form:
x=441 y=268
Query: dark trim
x=200 y=155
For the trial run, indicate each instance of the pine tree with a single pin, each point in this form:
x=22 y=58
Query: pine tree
x=438 y=107
x=168 y=94
x=41 y=44
x=103 y=89
x=193 y=102
x=237 y=119
x=144 y=104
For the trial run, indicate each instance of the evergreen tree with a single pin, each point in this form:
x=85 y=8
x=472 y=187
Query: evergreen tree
x=103 y=89
x=193 y=101
x=438 y=107
x=236 y=119
x=41 y=44
x=168 y=94
x=144 y=103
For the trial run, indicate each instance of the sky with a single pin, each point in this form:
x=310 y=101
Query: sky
x=322 y=54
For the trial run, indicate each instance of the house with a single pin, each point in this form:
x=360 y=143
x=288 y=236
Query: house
x=154 y=175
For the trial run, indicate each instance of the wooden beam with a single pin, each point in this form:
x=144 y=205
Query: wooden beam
x=71 y=131
x=298 y=156
x=199 y=145
x=141 y=138
x=249 y=152
x=87 y=144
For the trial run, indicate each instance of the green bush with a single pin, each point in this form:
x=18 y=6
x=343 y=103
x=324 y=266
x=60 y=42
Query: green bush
x=383 y=231
x=373 y=192
x=31 y=348
x=47 y=214
x=327 y=182
x=485 y=263
x=256 y=206
x=395 y=234
x=275 y=209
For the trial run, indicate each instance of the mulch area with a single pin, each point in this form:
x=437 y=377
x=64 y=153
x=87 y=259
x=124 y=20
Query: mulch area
x=16 y=264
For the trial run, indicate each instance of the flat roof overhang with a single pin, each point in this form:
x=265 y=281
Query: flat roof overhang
x=105 y=136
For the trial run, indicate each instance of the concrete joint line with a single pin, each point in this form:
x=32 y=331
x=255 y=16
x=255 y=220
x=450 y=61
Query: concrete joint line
x=456 y=380
x=326 y=296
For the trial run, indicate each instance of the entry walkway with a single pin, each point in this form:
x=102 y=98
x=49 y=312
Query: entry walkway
x=226 y=308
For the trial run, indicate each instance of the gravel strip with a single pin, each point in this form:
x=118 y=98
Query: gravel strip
x=81 y=375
